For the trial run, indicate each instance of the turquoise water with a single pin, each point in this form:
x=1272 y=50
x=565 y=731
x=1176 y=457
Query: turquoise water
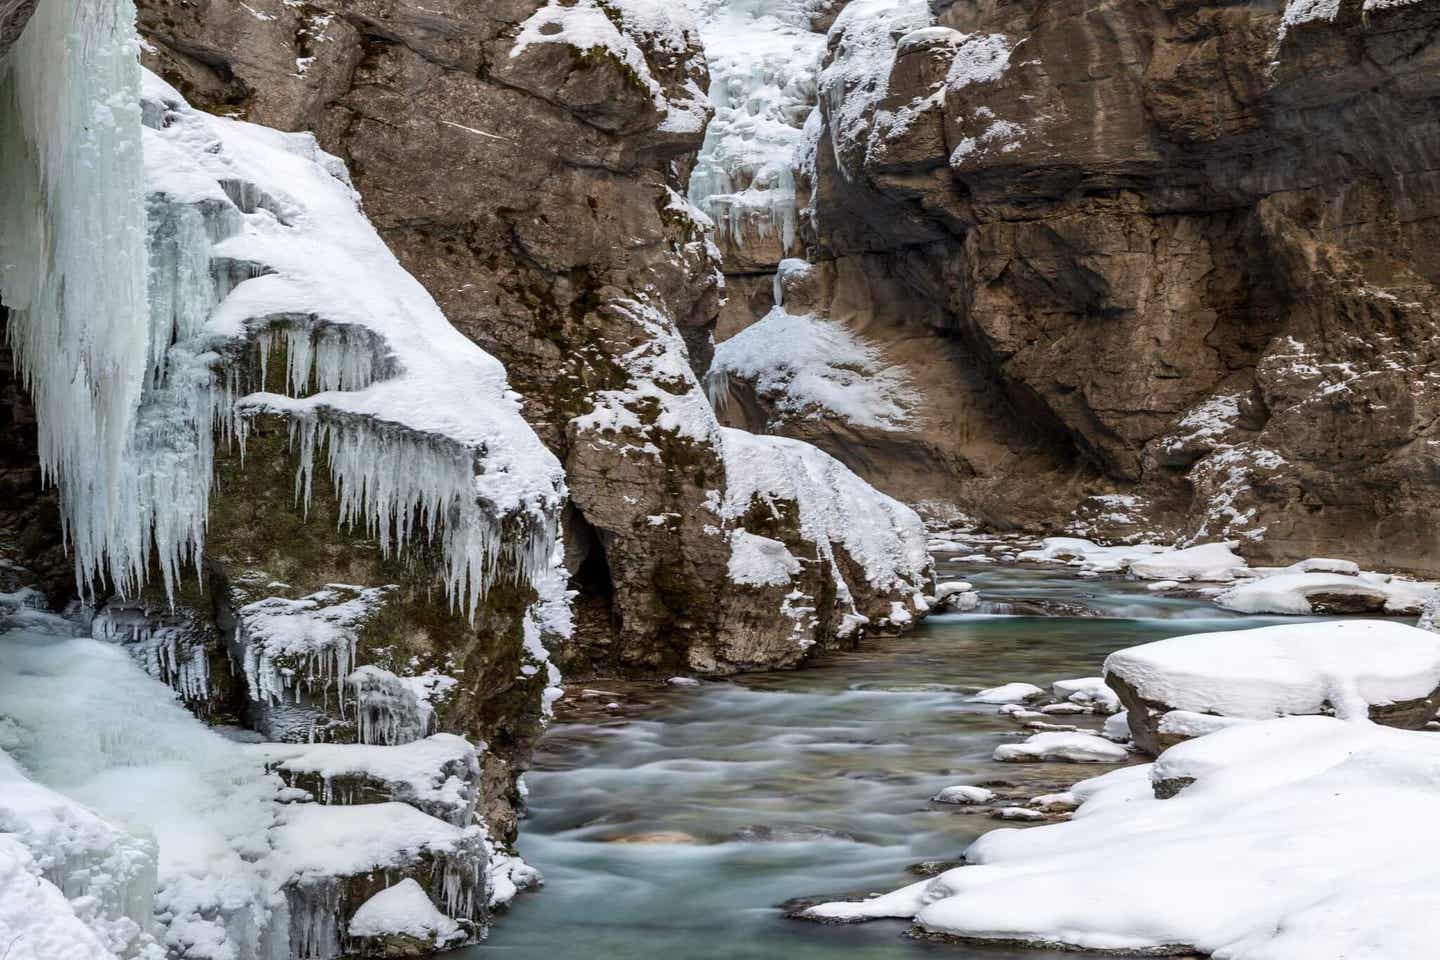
x=747 y=793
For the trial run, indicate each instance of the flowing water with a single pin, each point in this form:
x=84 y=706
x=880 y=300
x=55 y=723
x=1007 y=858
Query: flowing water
x=675 y=824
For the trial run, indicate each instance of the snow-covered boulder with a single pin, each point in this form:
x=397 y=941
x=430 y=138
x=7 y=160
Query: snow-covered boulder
x=1304 y=594
x=1090 y=692
x=1062 y=748
x=401 y=921
x=1008 y=693
x=1209 y=562
x=1386 y=671
x=1293 y=839
x=964 y=794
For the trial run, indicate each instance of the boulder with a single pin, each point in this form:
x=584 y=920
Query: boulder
x=1354 y=669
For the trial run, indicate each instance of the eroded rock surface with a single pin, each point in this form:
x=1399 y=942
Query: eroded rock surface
x=535 y=186
x=1187 y=251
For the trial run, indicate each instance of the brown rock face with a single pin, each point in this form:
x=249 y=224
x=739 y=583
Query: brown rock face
x=535 y=189
x=1194 y=252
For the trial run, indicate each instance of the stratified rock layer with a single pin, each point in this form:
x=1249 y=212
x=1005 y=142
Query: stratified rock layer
x=1190 y=250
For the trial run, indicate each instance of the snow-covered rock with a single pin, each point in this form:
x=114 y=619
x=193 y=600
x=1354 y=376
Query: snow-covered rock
x=964 y=794
x=1305 y=594
x=1008 y=693
x=1062 y=748
x=1357 y=669
x=1292 y=839
x=1087 y=691
x=1210 y=562
x=404 y=913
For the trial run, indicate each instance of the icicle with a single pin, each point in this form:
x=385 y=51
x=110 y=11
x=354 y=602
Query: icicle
x=72 y=246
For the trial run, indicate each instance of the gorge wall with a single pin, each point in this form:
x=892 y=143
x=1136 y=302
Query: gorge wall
x=532 y=177
x=1161 y=268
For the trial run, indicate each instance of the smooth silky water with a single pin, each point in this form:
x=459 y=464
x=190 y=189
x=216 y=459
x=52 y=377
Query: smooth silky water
x=674 y=828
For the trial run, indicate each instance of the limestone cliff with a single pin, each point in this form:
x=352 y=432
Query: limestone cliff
x=1179 y=259
x=532 y=177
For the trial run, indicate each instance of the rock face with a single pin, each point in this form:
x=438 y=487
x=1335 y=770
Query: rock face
x=567 y=250
x=1190 y=249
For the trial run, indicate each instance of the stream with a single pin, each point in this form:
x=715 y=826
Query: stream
x=673 y=825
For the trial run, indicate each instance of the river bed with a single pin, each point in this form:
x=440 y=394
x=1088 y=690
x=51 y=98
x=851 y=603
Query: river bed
x=674 y=824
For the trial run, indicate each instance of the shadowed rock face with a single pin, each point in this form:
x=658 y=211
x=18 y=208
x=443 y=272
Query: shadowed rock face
x=1195 y=252
x=14 y=14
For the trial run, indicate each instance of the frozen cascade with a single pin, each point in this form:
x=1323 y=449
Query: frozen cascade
x=764 y=60
x=130 y=410
x=422 y=435
x=73 y=261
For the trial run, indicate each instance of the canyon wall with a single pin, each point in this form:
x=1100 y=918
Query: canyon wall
x=1183 y=252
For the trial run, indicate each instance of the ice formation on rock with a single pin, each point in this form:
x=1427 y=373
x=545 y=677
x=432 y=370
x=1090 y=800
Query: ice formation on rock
x=73 y=263
x=254 y=238
x=764 y=60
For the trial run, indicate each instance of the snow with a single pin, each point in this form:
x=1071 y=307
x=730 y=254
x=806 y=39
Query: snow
x=1291 y=592
x=1062 y=747
x=98 y=730
x=1089 y=691
x=438 y=771
x=403 y=909
x=1344 y=665
x=760 y=561
x=1087 y=555
x=73 y=263
x=885 y=538
x=808 y=366
x=1215 y=562
x=764 y=60
x=964 y=794
x=1008 y=693
x=1287 y=590
x=37 y=922
x=424 y=436
x=1276 y=852
x=290 y=645
x=863 y=39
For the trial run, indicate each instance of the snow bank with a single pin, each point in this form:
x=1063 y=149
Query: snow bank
x=439 y=774
x=807 y=367
x=1292 y=593
x=37 y=922
x=1275 y=852
x=963 y=794
x=1341 y=665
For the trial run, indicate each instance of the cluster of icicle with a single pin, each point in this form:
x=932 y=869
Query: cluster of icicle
x=72 y=246
x=131 y=397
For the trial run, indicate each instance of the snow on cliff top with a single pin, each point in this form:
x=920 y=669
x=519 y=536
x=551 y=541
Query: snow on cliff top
x=1303 y=838
x=420 y=422
x=1293 y=668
